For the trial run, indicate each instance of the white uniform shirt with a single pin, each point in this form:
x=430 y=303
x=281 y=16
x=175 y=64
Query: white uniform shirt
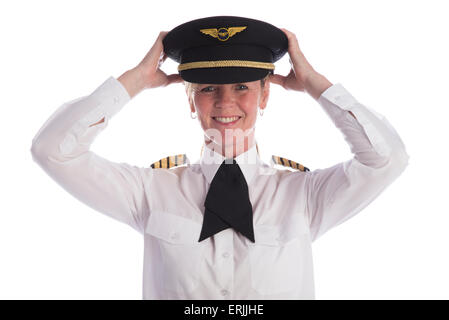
x=291 y=208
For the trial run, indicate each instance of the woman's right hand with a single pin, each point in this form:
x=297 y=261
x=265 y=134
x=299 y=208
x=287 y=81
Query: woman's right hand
x=147 y=74
x=150 y=66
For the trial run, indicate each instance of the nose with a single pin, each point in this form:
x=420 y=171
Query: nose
x=225 y=98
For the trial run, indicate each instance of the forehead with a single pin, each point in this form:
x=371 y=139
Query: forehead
x=226 y=84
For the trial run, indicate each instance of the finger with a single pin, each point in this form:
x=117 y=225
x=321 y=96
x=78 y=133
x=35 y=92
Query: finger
x=158 y=46
x=160 y=38
x=289 y=34
x=277 y=79
x=162 y=34
x=174 y=78
x=285 y=31
x=293 y=44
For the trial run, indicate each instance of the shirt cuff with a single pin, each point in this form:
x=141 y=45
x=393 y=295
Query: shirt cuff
x=111 y=97
x=338 y=95
x=104 y=102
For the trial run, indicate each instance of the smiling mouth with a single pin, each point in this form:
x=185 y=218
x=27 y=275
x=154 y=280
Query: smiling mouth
x=226 y=120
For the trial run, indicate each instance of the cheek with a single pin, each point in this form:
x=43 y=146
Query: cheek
x=203 y=108
x=203 y=104
x=249 y=107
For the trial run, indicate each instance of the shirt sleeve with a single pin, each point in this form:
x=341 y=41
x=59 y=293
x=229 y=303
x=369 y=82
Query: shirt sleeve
x=337 y=193
x=62 y=149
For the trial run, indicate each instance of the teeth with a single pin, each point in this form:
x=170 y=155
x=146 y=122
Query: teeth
x=226 y=120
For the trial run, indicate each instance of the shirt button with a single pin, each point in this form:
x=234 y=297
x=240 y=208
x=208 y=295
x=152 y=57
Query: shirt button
x=225 y=255
x=224 y=292
x=116 y=99
x=175 y=235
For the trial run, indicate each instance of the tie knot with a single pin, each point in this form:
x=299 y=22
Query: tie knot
x=229 y=161
x=230 y=171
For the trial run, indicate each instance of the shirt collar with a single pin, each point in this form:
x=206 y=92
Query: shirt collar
x=248 y=162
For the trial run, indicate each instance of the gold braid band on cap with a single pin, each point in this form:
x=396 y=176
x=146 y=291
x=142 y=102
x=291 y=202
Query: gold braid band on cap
x=225 y=63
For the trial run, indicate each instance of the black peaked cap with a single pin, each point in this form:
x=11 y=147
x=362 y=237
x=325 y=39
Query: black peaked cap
x=225 y=49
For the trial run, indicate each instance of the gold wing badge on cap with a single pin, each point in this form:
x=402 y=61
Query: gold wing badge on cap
x=170 y=162
x=288 y=163
x=222 y=34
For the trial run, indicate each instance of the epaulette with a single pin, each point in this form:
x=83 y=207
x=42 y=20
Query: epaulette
x=170 y=161
x=288 y=163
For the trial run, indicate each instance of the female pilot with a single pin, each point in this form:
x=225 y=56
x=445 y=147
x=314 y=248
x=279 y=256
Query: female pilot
x=228 y=226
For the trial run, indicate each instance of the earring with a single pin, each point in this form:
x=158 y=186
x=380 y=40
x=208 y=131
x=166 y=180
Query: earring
x=191 y=115
x=261 y=112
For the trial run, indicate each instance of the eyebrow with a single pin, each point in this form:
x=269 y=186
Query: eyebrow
x=220 y=84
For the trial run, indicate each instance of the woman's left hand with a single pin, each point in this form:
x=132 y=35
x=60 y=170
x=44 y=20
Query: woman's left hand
x=301 y=68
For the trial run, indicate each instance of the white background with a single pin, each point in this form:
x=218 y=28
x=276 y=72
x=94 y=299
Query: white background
x=391 y=55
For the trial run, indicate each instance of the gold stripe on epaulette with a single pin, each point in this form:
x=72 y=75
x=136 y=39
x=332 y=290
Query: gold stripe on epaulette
x=164 y=163
x=288 y=163
x=170 y=162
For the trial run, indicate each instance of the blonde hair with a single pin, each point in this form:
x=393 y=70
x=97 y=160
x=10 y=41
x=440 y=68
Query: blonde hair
x=189 y=89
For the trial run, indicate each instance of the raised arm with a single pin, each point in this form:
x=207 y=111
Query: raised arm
x=62 y=145
x=335 y=194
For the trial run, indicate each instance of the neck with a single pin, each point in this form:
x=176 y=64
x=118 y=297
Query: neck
x=231 y=150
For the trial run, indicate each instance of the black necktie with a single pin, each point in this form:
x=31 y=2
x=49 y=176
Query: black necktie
x=227 y=203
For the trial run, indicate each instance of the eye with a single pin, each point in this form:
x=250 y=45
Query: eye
x=207 y=89
x=242 y=87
